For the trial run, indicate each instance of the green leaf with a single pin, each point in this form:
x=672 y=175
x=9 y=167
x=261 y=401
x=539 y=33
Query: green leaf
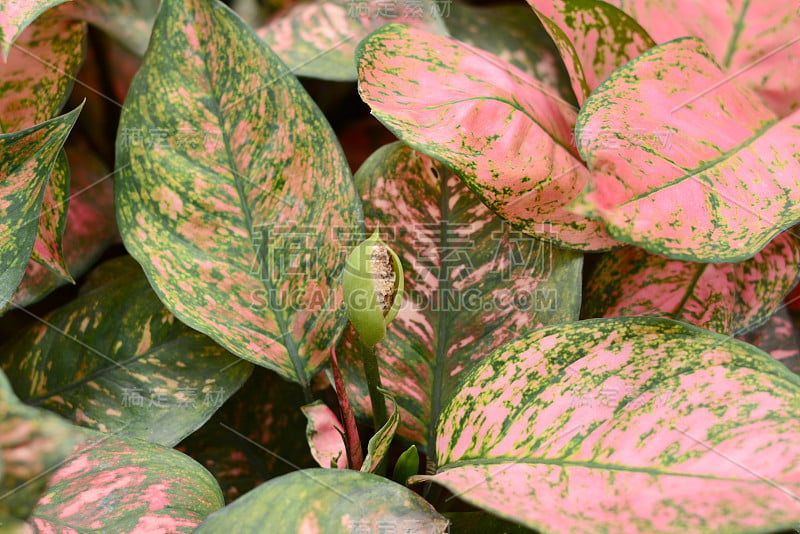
x=116 y=360
x=27 y=160
x=626 y=424
x=514 y=34
x=379 y=443
x=257 y=435
x=126 y=485
x=90 y=226
x=471 y=284
x=33 y=443
x=318 y=39
x=235 y=209
x=729 y=298
x=333 y=501
x=407 y=465
x=15 y=16
x=594 y=38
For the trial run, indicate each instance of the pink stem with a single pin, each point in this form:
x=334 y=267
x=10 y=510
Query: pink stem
x=352 y=441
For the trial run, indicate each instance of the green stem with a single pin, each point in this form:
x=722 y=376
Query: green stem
x=369 y=359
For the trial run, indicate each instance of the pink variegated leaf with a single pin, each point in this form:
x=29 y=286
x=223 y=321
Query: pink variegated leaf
x=471 y=284
x=90 y=226
x=33 y=443
x=325 y=435
x=504 y=133
x=128 y=21
x=719 y=189
x=729 y=298
x=630 y=424
x=37 y=76
x=327 y=501
x=16 y=15
x=27 y=158
x=318 y=39
x=594 y=38
x=757 y=41
x=48 y=248
x=109 y=484
x=778 y=337
x=232 y=192
x=379 y=444
x=514 y=34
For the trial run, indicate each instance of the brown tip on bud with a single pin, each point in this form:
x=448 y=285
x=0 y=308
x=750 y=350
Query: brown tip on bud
x=384 y=276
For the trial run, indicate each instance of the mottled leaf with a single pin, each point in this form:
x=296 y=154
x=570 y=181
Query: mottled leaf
x=235 y=209
x=16 y=15
x=318 y=39
x=33 y=443
x=128 y=21
x=779 y=338
x=27 y=158
x=126 y=485
x=471 y=285
x=333 y=501
x=729 y=298
x=325 y=434
x=594 y=38
x=515 y=35
x=117 y=361
x=720 y=190
x=379 y=444
x=257 y=435
x=48 y=247
x=626 y=425
x=39 y=72
x=90 y=226
x=505 y=134
x=757 y=41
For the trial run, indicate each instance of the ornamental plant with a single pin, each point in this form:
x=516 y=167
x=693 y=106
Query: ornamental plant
x=415 y=266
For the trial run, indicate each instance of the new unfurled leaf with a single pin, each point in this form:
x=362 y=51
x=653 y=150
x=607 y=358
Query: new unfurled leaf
x=626 y=425
x=687 y=162
x=471 y=284
x=407 y=465
x=27 y=158
x=318 y=39
x=33 y=443
x=330 y=501
x=729 y=298
x=757 y=41
x=234 y=212
x=126 y=485
x=504 y=133
x=379 y=444
x=116 y=360
x=593 y=37
x=325 y=436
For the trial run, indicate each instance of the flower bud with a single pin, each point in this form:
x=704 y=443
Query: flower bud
x=373 y=288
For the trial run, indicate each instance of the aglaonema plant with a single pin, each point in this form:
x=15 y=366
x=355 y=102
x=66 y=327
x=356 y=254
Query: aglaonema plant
x=552 y=299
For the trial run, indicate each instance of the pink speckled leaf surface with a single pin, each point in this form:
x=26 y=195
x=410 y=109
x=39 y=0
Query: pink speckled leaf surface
x=505 y=134
x=325 y=435
x=16 y=15
x=593 y=37
x=27 y=159
x=626 y=425
x=318 y=39
x=127 y=486
x=686 y=162
x=236 y=200
x=128 y=21
x=779 y=337
x=471 y=284
x=729 y=298
x=327 y=501
x=756 y=41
